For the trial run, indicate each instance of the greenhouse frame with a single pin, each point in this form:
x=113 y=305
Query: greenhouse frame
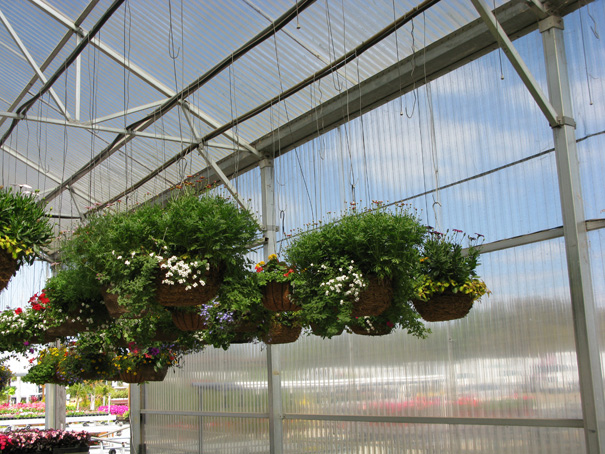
x=481 y=116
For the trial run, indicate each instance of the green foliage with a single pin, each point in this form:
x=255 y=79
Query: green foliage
x=45 y=370
x=273 y=270
x=445 y=266
x=24 y=227
x=335 y=261
x=5 y=376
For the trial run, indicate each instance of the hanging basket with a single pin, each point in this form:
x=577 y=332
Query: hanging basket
x=276 y=297
x=364 y=330
x=176 y=295
x=374 y=299
x=242 y=338
x=281 y=334
x=245 y=327
x=318 y=330
x=188 y=321
x=164 y=335
x=115 y=309
x=8 y=268
x=445 y=306
x=65 y=329
x=143 y=373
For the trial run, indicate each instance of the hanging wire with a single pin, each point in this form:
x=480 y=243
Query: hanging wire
x=585 y=59
x=499 y=48
x=410 y=115
x=281 y=88
x=332 y=49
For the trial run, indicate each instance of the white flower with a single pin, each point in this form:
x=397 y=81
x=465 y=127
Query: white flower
x=132 y=253
x=119 y=257
x=194 y=284
x=126 y=263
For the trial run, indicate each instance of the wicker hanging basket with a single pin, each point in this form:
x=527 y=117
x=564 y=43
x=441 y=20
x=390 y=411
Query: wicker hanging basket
x=374 y=299
x=445 y=306
x=8 y=268
x=188 y=321
x=143 y=373
x=176 y=295
x=276 y=297
x=65 y=329
x=317 y=330
x=281 y=334
x=364 y=330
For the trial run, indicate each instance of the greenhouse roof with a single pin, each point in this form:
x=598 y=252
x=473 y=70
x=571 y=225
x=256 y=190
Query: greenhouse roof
x=102 y=101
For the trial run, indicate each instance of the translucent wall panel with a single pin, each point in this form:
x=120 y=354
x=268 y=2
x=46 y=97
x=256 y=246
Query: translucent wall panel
x=382 y=438
x=214 y=381
x=194 y=434
x=512 y=356
x=27 y=281
x=171 y=433
x=597 y=255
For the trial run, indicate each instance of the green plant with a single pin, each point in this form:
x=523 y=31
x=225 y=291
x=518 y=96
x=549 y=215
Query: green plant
x=338 y=260
x=446 y=267
x=273 y=270
x=5 y=377
x=46 y=367
x=24 y=227
x=132 y=252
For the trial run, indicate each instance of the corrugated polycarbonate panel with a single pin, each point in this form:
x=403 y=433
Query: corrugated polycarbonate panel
x=597 y=252
x=195 y=434
x=382 y=438
x=29 y=279
x=173 y=433
x=214 y=381
x=501 y=361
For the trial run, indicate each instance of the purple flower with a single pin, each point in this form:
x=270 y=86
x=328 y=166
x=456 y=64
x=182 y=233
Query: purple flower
x=25 y=343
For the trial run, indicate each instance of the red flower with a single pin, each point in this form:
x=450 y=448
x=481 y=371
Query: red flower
x=37 y=307
x=18 y=310
x=258 y=268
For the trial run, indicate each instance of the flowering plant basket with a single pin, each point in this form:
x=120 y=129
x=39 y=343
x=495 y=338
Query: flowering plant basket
x=46 y=369
x=174 y=255
x=50 y=441
x=5 y=376
x=447 y=284
x=358 y=265
x=151 y=364
x=275 y=278
x=24 y=229
x=283 y=328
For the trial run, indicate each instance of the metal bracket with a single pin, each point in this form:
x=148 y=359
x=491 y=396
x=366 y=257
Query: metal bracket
x=272 y=228
x=566 y=121
x=550 y=22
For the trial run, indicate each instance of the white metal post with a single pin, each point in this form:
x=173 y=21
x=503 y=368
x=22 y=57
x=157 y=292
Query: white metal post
x=136 y=439
x=276 y=413
x=576 y=237
x=54 y=413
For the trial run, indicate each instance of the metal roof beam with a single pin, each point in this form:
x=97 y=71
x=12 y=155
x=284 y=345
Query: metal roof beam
x=178 y=98
x=136 y=109
x=97 y=128
x=139 y=72
x=515 y=59
x=36 y=166
x=83 y=15
x=32 y=63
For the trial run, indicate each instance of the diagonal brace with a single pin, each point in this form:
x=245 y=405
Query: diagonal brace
x=554 y=119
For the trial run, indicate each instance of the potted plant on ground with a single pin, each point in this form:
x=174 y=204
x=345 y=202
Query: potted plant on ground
x=275 y=278
x=24 y=229
x=447 y=284
x=51 y=441
x=356 y=266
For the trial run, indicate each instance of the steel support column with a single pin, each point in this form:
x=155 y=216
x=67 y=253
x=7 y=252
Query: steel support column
x=135 y=396
x=576 y=238
x=276 y=413
x=54 y=413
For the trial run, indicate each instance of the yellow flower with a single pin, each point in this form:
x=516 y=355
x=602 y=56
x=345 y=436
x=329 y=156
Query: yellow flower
x=272 y=257
x=423 y=259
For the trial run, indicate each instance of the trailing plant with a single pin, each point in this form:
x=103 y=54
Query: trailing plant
x=338 y=260
x=24 y=226
x=5 y=376
x=47 y=366
x=445 y=266
x=274 y=270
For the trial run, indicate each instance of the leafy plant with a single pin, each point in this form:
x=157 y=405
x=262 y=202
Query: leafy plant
x=5 y=376
x=46 y=368
x=337 y=260
x=42 y=441
x=24 y=226
x=444 y=266
x=273 y=270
